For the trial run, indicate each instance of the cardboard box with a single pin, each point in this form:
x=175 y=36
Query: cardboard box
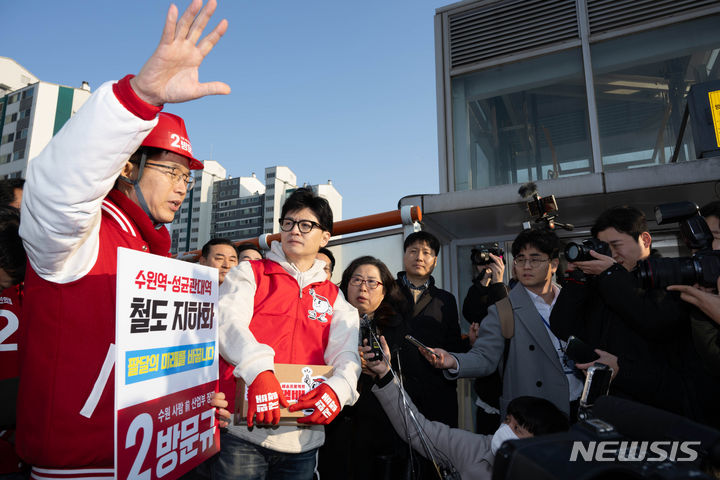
x=295 y=380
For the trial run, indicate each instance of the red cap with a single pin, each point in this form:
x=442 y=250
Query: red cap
x=170 y=134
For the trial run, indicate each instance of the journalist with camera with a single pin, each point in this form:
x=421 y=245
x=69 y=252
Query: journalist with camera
x=642 y=333
x=696 y=277
x=487 y=289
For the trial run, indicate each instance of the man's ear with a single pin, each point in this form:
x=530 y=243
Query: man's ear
x=129 y=171
x=554 y=263
x=325 y=238
x=645 y=239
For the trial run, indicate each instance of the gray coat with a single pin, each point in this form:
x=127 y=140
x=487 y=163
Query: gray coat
x=468 y=452
x=533 y=366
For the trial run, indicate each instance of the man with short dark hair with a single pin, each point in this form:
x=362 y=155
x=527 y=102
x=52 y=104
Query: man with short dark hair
x=219 y=253
x=284 y=310
x=637 y=332
x=327 y=256
x=112 y=176
x=11 y=190
x=535 y=362
x=248 y=251
x=432 y=318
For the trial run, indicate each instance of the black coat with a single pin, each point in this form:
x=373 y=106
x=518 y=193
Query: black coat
x=361 y=443
x=436 y=325
x=649 y=332
x=479 y=298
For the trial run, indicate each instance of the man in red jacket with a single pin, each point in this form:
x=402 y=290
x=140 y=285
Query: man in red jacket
x=110 y=178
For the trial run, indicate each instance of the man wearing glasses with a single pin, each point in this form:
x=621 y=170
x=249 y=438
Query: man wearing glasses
x=536 y=364
x=283 y=309
x=111 y=177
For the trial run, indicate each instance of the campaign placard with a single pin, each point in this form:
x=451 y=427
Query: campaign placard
x=166 y=366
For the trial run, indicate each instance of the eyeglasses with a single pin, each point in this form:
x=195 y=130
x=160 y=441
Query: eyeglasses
x=173 y=172
x=371 y=284
x=305 y=226
x=534 y=262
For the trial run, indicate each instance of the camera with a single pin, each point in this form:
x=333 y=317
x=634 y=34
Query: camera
x=620 y=440
x=543 y=210
x=580 y=252
x=702 y=268
x=481 y=254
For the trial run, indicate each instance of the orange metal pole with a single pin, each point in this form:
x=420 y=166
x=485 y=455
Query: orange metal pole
x=352 y=225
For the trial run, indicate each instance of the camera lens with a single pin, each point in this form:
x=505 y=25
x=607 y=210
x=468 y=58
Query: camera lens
x=661 y=272
x=573 y=252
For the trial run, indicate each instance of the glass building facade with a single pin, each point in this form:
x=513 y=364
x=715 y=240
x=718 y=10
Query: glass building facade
x=600 y=86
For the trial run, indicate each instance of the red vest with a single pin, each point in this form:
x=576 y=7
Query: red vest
x=295 y=324
x=64 y=344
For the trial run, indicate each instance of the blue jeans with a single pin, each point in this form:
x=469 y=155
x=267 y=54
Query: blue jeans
x=241 y=460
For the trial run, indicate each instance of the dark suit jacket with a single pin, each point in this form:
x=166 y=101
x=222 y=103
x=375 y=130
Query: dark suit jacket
x=435 y=325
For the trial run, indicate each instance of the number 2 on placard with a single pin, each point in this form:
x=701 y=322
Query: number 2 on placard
x=142 y=422
x=9 y=329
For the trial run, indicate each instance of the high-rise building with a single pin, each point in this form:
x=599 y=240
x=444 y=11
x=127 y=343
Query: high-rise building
x=31 y=112
x=245 y=208
x=238 y=208
x=192 y=226
x=280 y=182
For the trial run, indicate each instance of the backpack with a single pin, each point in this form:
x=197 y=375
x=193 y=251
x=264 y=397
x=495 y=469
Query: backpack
x=490 y=388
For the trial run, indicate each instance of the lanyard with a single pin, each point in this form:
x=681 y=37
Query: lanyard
x=566 y=363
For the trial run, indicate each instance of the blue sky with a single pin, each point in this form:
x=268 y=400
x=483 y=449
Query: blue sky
x=332 y=89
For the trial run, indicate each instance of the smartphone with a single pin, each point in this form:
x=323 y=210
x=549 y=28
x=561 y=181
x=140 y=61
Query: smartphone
x=375 y=353
x=597 y=384
x=418 y=343
x=579 y=351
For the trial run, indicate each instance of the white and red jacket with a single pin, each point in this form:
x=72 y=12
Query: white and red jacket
x=72 y=225
x=270 y=312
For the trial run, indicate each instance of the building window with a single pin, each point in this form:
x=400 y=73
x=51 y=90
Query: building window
x=27 y=94
x=22 y=134
x=17 y=156
x=641 y=82
x=8 y=138
x=5 y=158
x=25 y=113
x=13 y=98
x=520 y=122
x=11 y=118
x=196 y=209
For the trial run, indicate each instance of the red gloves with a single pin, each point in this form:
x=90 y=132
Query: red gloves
x=265 y=396
x=325 y=402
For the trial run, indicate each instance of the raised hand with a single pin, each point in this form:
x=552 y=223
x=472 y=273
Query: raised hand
x=171 y=74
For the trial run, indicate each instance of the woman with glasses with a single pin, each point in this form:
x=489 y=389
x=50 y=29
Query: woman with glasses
x=361 y=442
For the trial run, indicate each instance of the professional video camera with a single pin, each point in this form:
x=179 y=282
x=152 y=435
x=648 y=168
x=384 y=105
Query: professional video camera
x=481 y=254
x=702 y=268
x=542 y=209
x=580 y=252
x=614 y=439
